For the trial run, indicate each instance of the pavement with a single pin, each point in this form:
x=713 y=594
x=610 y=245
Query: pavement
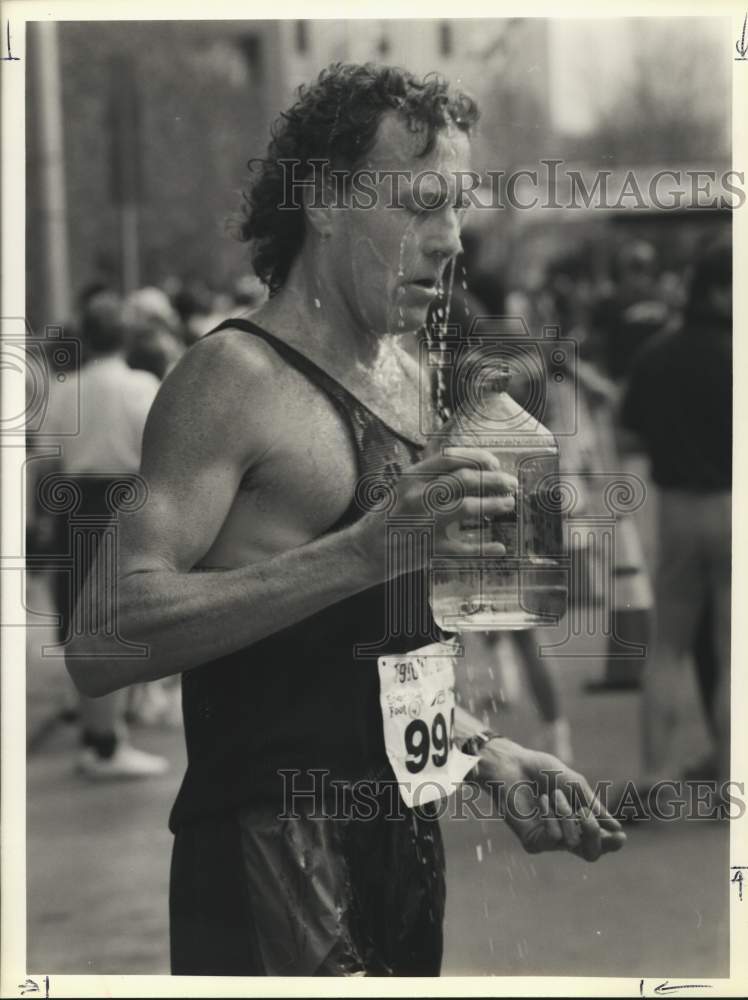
x=98 y=855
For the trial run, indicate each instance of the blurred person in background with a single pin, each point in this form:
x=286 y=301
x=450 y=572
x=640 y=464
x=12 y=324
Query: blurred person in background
x=678 y=403
x=558 y=293
x=631 y=312
x=152 y=349
x=114 y=402
x=153 y=332
x=191 y=301
x=200 y=308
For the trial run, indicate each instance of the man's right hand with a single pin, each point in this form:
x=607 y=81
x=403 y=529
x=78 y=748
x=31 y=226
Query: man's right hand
x=457 y=492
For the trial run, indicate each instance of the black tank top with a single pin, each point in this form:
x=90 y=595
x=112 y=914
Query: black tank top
x=306 y=698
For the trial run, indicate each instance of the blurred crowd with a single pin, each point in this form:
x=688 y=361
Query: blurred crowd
x=650 y=389
x=161 y=321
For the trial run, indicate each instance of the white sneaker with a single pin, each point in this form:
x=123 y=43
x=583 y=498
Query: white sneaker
x=126 y=762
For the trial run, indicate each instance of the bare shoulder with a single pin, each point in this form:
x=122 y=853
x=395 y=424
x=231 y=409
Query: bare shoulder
x=221 y=396
x=231 y=358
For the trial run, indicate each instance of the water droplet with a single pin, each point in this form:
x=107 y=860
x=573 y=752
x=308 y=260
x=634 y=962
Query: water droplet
x=490 y=944
x=463 y=283
x=489 y=846
x=485 y=909
x=400 y=270
x=479 y=852
x=317 y=304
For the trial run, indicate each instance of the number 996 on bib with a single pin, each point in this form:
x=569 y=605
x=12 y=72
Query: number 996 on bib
x=417 y=701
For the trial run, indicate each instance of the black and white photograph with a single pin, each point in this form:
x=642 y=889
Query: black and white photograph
x=369 y=552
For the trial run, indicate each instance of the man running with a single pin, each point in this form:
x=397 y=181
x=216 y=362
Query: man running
x=260 y=567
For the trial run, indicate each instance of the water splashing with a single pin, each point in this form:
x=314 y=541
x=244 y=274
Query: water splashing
x=448 y=303
x=436 y=337
x=464 y=285
x=400 y=272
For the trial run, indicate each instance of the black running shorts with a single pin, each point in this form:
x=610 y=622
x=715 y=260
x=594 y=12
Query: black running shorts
x=253 y=895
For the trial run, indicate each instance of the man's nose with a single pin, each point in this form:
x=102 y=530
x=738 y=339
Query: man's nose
x=444 y=237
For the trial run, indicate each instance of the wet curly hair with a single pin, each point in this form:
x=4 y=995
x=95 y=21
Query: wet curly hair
x=334 y=119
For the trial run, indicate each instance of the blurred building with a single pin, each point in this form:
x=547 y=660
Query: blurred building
x=163 y=116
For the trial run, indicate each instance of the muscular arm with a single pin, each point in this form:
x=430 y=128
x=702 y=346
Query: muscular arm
x=210 y=423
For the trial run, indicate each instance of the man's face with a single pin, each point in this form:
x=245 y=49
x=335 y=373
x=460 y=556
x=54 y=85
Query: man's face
x=388 y=260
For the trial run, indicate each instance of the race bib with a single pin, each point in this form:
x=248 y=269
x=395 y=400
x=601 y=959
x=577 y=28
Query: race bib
x=418 y=705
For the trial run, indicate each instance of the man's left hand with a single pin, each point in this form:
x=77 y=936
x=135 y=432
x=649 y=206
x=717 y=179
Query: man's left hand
x=547 y=805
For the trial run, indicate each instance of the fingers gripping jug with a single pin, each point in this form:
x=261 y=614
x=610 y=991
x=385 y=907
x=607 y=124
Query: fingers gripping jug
x=526 y=586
